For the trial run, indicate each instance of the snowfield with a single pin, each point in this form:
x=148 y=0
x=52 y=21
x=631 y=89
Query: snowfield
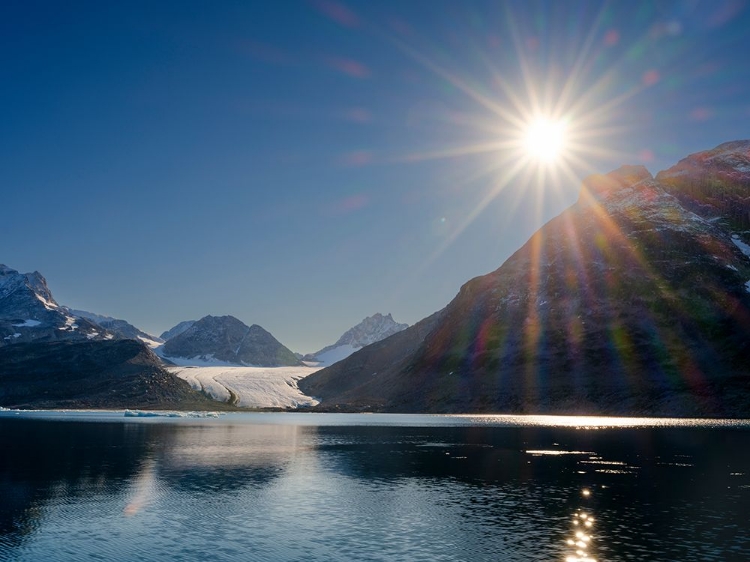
x=336 y=354
x=250 y=387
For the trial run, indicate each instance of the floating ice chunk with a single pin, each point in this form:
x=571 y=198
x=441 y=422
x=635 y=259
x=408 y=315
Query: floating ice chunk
x=166 y=414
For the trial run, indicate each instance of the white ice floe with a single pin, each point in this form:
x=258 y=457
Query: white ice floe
x=16 y=335
x=163 y=414
x=250 y=387
x=28 y=324
x=747 y=286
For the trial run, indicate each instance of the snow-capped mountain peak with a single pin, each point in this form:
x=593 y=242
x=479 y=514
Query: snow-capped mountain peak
x=29 y=312
x=372 y=329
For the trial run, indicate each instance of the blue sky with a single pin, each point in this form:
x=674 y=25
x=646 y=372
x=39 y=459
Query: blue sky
x=302 y=165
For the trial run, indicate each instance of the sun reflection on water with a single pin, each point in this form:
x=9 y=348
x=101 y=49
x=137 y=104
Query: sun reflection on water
x=580 y=541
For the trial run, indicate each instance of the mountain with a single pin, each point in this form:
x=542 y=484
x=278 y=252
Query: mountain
x=372 y=329
x=29 y=312
x=635 y=300
x=92 y=374
x=226 y=340
x=120 y=328
x=176 y=330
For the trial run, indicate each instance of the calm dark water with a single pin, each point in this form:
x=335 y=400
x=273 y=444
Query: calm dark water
x=304 y=487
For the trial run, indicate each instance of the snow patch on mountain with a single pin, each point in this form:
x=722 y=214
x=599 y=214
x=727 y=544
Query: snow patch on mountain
x=153 y=344
x=336 y=354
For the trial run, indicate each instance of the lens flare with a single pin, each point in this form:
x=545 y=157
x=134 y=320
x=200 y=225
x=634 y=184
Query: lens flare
x=544 y=140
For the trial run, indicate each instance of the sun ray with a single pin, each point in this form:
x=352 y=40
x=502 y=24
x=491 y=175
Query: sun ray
x=496 y=108
x=454 y=152
x=567 y=92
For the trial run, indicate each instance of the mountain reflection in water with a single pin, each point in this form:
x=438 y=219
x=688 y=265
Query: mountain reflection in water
x=265 y=490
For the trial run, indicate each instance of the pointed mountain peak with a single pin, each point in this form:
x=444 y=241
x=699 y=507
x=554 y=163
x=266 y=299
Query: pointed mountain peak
x=371 y=330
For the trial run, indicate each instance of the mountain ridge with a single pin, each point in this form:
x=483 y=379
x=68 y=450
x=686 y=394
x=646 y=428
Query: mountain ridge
x=122 y=329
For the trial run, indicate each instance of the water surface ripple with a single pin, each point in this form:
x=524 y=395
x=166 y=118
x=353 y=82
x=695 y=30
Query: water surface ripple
x=102 y=486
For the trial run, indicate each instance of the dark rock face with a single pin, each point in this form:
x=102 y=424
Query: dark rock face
x=91 y=374
x=715 y=184
x=224 y=338
x=629 y=302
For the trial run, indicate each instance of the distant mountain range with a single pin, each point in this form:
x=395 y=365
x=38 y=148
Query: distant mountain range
x=372 y=329
x=55 y=356
x=635 y=300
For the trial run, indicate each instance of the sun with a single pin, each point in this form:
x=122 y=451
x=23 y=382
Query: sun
x=544 y=140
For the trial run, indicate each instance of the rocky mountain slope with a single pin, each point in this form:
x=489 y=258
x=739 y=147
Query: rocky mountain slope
x=121 y=329
x=176 y=330
x=29 y=312
x=372 y=329
x=226 y=340
x=635 y=300
x=92 y=374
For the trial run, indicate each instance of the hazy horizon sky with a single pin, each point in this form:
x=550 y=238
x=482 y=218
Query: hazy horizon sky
x=303 y=165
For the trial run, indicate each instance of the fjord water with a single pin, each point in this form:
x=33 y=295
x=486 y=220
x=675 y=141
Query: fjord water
x=367 y=487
